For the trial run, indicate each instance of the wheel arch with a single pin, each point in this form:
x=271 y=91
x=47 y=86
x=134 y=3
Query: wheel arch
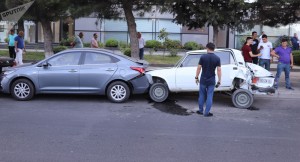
x=22 y=77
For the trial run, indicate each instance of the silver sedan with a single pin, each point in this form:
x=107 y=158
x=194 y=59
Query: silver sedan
x=79 y=71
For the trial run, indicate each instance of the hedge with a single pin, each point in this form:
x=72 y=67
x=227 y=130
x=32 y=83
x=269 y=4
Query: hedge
x=111 y=43
x=153 y=44
x=191 y=45
x=59 y=48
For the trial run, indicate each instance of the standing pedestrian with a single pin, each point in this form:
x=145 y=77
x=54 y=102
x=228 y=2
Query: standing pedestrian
x=285 y=63
x=208 y=64
x=254 y=47
x=141 y=45
x=295 y=42
x=11 y=44
x=78 y=41
x=19 y=47
x=94 y=42
x=265 y=47
x=247 y=51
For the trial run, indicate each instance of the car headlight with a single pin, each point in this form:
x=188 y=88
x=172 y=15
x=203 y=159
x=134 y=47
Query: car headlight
x=8 y=72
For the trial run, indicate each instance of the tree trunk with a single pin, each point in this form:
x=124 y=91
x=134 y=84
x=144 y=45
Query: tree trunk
x=134 y=44
x=21 y=25
x=48 y=38
x=215 y=35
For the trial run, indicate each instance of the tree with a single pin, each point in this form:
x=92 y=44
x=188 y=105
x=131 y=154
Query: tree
x=44 y=11
x=114 y=9
x=275 y=13
x=216 y=13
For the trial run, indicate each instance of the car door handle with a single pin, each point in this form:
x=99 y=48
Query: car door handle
x=235 y=68
x=110 y=69
x=72 y=71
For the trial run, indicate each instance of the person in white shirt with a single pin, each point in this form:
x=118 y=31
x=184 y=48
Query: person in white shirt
x=265 y=48
x=141 y=45
x=94 y=42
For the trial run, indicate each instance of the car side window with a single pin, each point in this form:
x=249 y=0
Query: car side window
x=191 y=60
x=225 y=57
x=70 y=58
x=98 y=58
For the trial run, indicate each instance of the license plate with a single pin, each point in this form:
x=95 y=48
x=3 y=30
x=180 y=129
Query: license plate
x=265 y=81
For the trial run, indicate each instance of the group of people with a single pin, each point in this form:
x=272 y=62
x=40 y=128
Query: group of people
x=94 y=43
x=16 y=46
x=262 y=52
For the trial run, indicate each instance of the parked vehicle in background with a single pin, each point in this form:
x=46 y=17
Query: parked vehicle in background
x=239 y=79
x=79 y=71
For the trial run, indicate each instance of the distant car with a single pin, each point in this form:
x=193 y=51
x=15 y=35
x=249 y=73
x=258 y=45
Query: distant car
x=239 y=79
x=79 y=71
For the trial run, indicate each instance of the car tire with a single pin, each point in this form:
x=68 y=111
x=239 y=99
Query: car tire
x=22 y=90
x=159 y=92
x=118 y=92
x=242 y=98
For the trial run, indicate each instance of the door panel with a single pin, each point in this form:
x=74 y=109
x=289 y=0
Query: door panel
x=96 y=71
x=61 y=74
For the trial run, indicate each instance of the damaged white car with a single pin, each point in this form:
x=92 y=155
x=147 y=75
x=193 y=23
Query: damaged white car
x=239 y=79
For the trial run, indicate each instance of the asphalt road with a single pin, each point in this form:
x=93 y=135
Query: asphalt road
x=65 y=128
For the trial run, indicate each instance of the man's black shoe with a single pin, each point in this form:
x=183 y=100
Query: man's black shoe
x=198 y=112
x=209 y=115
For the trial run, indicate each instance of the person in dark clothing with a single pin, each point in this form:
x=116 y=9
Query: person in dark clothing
x=254 y=47
x=247 y=51
x=295 y=42
x=208 y=64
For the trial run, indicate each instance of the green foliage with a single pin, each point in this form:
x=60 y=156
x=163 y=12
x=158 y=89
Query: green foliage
x=6 y=40
x=100 y=45
x=111 y=43
x=153 y=44
x=296 y=53
x=127 y=52
x=163 y=35
x=123 y=44
x=191 y=45
x=66 y=42
x=87 y=45
x=59 y=48
x=172 y=44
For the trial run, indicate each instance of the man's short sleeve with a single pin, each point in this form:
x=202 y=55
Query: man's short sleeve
x=276 y=50
x=271 y=45
x=16 y=39
x=219 y=62
x=200 y=61
x=258 y=45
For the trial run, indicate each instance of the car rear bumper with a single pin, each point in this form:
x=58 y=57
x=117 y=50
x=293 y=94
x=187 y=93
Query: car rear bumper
x=141 y=84
x=264 y=90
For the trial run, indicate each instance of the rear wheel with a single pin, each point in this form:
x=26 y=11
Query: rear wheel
x=159 y=92
x=22 y=89
x=242 y=98
x=118 y=92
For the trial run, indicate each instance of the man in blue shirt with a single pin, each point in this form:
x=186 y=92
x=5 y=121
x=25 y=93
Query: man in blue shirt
x=208 y=64
x=285 y=63
x=11 y=44
x=19 y=47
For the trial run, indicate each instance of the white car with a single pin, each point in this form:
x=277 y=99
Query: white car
x=239 y=79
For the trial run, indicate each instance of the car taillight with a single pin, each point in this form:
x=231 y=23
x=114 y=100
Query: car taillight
x=139 y=69
x=255 y=80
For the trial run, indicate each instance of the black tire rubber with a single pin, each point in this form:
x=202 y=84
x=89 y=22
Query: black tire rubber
x=159 y=87
x=123 y=86
x=242 y=98
x=25 y=85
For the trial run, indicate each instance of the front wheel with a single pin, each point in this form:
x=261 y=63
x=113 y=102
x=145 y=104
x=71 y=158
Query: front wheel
x=22 y=90
x=118 y=92
x=242 y=98
x=159 y=92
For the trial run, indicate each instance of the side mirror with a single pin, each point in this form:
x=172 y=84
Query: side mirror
x=45 y=64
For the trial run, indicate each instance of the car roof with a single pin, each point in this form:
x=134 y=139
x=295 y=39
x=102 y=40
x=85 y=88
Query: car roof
x=205 y=51
x=90 y=49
